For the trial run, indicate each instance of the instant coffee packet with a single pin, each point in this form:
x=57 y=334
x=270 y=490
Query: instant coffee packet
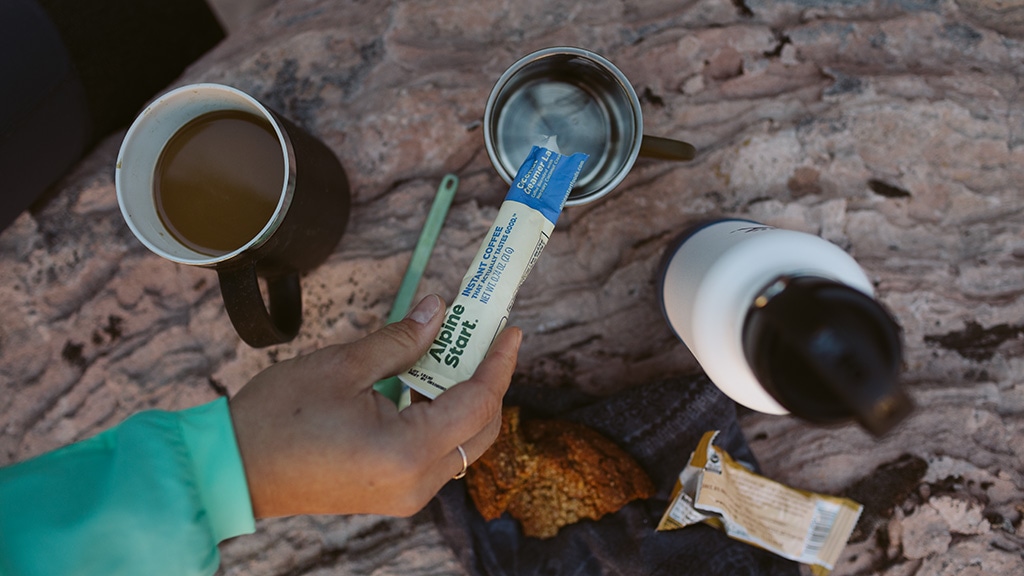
x=507 y=254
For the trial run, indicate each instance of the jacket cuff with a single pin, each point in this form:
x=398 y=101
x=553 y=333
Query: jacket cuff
x=218 y=471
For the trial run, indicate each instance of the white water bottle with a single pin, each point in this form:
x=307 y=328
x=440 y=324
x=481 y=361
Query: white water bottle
x=785 y=322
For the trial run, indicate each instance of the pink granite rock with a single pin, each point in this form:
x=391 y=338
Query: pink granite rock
x=894 y=129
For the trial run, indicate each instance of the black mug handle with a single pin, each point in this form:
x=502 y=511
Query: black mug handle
x=666 y=148
x=257 y=326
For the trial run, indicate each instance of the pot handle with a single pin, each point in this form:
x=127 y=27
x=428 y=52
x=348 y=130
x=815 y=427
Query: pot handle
x=257 y=326
x=666 y=148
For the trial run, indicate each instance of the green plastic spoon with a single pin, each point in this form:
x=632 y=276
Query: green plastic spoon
x=392 y=387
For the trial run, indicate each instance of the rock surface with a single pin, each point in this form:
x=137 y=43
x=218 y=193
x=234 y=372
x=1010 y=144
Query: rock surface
x=892 y=128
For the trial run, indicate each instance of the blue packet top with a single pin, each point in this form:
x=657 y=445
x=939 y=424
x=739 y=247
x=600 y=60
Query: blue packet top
x=545 y=179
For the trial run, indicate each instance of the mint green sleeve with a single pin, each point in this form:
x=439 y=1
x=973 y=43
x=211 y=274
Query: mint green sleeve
x=154 y=495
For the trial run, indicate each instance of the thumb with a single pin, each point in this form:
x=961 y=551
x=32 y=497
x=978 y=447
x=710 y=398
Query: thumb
x=397 y=346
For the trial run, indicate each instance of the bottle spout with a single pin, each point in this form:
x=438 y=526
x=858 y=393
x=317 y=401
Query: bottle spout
x=883 y=414
x=827 y=353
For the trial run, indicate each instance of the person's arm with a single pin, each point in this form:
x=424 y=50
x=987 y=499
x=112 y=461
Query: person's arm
x=153 y=495
x=316 y=438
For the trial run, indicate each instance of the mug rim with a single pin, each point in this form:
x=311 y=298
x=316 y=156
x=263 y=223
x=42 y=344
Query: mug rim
x=489 y=109
x=146 y=120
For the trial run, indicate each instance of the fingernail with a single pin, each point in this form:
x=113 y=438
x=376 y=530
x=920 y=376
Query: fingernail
x=426 y=309
x=519 y=339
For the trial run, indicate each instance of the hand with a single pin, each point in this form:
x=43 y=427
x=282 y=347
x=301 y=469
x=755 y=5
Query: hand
x=315 y=438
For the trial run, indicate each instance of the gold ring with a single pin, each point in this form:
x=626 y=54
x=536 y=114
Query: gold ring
x=465 y=463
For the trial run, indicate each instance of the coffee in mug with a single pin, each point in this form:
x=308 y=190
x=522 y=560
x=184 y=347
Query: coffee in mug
x=218 y=181
x=209 y=176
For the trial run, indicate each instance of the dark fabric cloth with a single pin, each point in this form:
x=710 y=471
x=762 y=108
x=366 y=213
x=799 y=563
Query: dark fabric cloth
x=659 y=424
x=44 y=120
x=74 y=71
x=126 y=51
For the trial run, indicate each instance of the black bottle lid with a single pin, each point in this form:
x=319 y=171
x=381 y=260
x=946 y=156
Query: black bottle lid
x=827 y=353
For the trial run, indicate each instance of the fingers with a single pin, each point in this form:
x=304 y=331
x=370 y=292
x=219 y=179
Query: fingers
x=463 y=410
x=468 y=414
x=397 y=346
x=474 y=447
x=445 y=465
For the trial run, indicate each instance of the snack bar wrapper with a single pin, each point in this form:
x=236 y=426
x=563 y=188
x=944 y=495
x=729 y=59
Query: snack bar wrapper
x=508 y=252
x=804 y=526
